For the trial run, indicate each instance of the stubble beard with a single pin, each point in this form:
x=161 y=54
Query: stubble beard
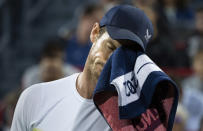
x=96 y=72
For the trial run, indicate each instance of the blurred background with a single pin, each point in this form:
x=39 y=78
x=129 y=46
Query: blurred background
x=44 y=40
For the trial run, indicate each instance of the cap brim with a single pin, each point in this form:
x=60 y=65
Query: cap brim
x=121 y=34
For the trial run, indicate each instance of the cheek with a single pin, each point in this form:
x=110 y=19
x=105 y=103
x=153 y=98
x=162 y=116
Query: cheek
x=103 y=54
x=96 y=48
x=92 y=52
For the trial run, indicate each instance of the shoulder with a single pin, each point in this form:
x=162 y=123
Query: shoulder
x=53 y=88
x=47 y=93
x=26 y=108
x=37 y=99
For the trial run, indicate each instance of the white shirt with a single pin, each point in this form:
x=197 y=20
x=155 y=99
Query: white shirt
x=56 y=106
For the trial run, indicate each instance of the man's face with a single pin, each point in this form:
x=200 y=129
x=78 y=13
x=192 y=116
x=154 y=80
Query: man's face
x=198 y=65
x=199 y=21
x=100 y=53
x=51 y=68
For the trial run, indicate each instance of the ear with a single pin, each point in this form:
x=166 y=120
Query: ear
x=95 y=32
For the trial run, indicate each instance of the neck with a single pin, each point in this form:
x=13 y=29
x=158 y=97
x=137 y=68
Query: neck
x=86 y=84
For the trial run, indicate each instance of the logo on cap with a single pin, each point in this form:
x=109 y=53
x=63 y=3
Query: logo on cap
x=147 y=36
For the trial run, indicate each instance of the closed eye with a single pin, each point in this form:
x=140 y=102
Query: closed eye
x=111 y=46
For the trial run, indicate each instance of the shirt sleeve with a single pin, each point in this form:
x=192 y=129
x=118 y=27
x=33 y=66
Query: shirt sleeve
x=19 y=118
x=27 y=108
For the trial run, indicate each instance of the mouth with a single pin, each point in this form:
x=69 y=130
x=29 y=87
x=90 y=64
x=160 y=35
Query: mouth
x=100 y=63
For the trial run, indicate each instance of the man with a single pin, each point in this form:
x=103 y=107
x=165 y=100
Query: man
x=193 y=94
x=196 y=39
x=66 y=104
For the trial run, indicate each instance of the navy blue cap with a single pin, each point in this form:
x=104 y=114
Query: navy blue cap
x=128 y=22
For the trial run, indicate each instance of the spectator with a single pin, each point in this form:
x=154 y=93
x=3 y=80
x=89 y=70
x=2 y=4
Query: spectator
x=160 y=49
x=193 y=94
x=201 y=125
x=7 y=108
x=79 y=44
x=195 y=41
x=2 y=109
x=144 y=3
x=51 y=66
x=177 y=13
x=181 y=114
x=108 y=4
x=165 y=39
x=10 y=101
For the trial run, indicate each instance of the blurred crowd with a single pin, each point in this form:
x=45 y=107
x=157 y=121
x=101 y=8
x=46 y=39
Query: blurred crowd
x=177 y=47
